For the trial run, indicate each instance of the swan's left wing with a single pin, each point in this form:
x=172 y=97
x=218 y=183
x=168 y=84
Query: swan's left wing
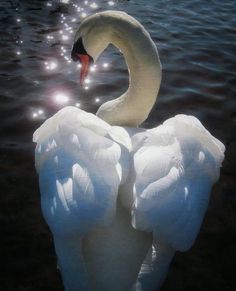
x=80 y=171
x=175 y=166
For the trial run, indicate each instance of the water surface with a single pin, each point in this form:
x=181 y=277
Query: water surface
x=197 y=45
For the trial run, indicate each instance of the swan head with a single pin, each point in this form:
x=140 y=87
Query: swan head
x=90 y=41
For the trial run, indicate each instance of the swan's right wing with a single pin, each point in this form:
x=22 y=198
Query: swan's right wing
x=80 y=170
x=175 y=166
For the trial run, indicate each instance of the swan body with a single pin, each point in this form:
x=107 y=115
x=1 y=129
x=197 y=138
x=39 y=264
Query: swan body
x=119 y=199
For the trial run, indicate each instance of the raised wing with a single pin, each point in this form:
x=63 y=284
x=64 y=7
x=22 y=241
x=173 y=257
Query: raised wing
x=175 y=167
x=80 y=170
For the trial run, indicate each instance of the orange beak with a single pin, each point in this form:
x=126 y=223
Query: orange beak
x=85 y=62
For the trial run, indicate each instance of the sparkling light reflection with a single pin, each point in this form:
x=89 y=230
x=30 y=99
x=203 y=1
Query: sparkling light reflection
x=51 y=65
x=83 y=14
x=87 y=81
x=93 y=68
x=105 y=65
x=37 y=113
x=61 y=98
x=65 y=37
x=50 y=37
x=93 y=5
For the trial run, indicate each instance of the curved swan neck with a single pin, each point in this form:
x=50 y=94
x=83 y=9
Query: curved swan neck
x=144 y=66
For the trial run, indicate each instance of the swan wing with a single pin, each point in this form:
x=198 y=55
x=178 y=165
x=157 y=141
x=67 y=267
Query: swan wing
x=175 y=166
x=80 y=170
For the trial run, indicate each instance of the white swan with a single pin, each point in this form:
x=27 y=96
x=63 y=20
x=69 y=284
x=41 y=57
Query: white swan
x=120 y=200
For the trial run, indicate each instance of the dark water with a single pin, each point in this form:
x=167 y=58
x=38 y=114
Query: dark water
x=197 y=45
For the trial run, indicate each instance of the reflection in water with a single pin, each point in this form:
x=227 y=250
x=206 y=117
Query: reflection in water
x=83 y=14
x=93 y=5
x=38 y=113
x=87 y=81
x=111 y=3
x=52 y=65
x=93 y=68
x=61 y=98
x=105 y=65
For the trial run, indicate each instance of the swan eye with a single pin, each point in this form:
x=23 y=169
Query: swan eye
x=78 y=49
